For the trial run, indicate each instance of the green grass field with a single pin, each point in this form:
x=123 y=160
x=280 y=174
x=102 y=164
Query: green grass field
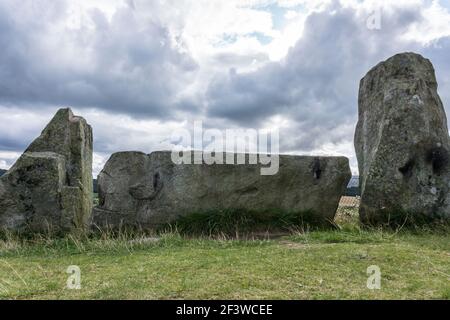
x=302 y=265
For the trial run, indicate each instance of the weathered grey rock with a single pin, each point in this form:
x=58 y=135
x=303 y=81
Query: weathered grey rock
x=50 y=186
x=402 y=143
x=140 y=190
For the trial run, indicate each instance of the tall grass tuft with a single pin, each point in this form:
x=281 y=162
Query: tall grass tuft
x=235 y=222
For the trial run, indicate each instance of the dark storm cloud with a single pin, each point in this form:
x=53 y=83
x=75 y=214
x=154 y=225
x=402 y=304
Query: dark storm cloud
x=12 y=143
x=316 y=85
x=126 y=65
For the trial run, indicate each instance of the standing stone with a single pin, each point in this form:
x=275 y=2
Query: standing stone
x=140 y=190
x=402 y=143
x=50 y=186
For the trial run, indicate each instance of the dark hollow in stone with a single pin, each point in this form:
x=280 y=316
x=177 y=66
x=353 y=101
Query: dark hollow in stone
x=317 y=171
x=407 y=169
x=156 y=179
x=438 y=157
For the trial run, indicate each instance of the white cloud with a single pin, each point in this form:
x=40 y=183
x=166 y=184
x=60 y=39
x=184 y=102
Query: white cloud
x=435 y=25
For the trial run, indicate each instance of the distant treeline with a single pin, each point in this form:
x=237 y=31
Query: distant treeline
x=352 y=192
x=353 y=187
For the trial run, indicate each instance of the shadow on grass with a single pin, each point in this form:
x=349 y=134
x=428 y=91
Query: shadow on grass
x=399 y=219
x=243 y=222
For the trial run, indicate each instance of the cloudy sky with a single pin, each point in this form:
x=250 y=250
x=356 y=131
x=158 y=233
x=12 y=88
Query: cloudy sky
x=138 y=70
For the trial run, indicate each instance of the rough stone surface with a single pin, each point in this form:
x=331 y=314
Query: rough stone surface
x=140 y=190
x=402 y=143
x=50 y=186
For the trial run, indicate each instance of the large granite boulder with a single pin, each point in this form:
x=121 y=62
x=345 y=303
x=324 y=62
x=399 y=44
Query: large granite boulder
x=146 y=191
x=402 y=143
x=49 y=188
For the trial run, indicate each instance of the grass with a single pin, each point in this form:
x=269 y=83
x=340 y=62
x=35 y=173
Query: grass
x=242 y=221
x=332 y=264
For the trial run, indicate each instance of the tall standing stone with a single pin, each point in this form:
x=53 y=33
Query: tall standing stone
x=50 y=186
x=402 y=143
